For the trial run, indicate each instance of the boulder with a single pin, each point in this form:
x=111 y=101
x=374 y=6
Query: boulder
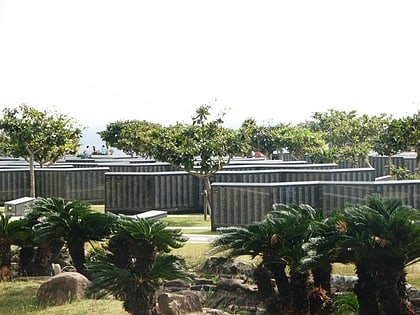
x=62 y=288
x=179 y=303
x=222 y=266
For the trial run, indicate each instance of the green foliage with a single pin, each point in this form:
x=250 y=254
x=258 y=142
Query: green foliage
x=350 y=136
x=346 y=304
x=37 y=136
x=45 y=136
x=133 y=137
x=134 y=261
x=299 y=140
x=72 y=223
x=259 y=138
x=278 y=240
x=399 y=135
x=381 y=237
x=12 y=232
x=201 y=148
x=70 y=220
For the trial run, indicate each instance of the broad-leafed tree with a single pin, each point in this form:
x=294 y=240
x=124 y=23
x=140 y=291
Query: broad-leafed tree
x=130 y=136
x=38 y=136
x=201 y=148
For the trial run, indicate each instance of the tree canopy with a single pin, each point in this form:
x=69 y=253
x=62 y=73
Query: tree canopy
x=38 y=136
x=133 y=137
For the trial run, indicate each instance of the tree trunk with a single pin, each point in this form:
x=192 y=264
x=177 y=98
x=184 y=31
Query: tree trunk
x=282 y=282
x=32 y=175
x=263 y=281
x=5 y=253
x=365 y=291
x=389 y=164
x=322 y=277
x=5 y=259
x=207 y=196
x=391 y=300
x=299 y=291
x=77 y=253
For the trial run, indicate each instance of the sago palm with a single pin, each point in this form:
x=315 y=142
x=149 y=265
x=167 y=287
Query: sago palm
x=381 y=237
x=294 y=226
x=278 y=240
x=255 y=240
x=394 y=238
x=73 y=223
x=11 y=233
x=340 y=239
x=136 y=258
x=35 y=257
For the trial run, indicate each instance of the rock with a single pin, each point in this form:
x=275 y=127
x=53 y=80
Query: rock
x=233 y=285
x=62 y=288
x=343 y=283
x=222 y=266
x=175 y=285
x=56 y=268
x=179 y=303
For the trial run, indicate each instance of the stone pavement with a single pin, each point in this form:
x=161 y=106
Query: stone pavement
x=196 y=238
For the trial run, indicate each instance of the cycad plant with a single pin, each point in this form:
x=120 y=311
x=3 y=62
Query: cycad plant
x=11 y=233
x=381 y=237
x=134 y=262
x=278 y=240
x=393 y=232
x=73 y=223
x=35 y=257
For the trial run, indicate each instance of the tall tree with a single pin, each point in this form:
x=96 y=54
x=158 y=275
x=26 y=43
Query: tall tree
x=38 y=136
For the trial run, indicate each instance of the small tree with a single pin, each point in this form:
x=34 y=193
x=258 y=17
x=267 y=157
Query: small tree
x=130 y=136
x=259 y=138
x=201 y=149
x=300 y=140
x=37 y=136
x=73 y=223
x=11 y=232
x=134 y=262
x=350 y=137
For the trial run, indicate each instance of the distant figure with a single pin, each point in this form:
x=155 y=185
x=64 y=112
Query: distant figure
x=94 y=150
x=87 y=152
x=104 y=150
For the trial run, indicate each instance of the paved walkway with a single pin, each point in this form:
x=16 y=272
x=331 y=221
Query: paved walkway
x=196 y=238
x=200 y=238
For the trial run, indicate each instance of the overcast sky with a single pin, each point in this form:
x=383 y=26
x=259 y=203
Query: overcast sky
x=276 y=61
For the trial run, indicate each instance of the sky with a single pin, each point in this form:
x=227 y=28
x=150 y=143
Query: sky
x=100 y=61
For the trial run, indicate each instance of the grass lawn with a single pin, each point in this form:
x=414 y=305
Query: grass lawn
x=19 y=297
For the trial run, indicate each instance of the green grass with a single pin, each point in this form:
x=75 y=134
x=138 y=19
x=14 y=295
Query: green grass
x=194 y=254
x=187 y=220
x=19 y=297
